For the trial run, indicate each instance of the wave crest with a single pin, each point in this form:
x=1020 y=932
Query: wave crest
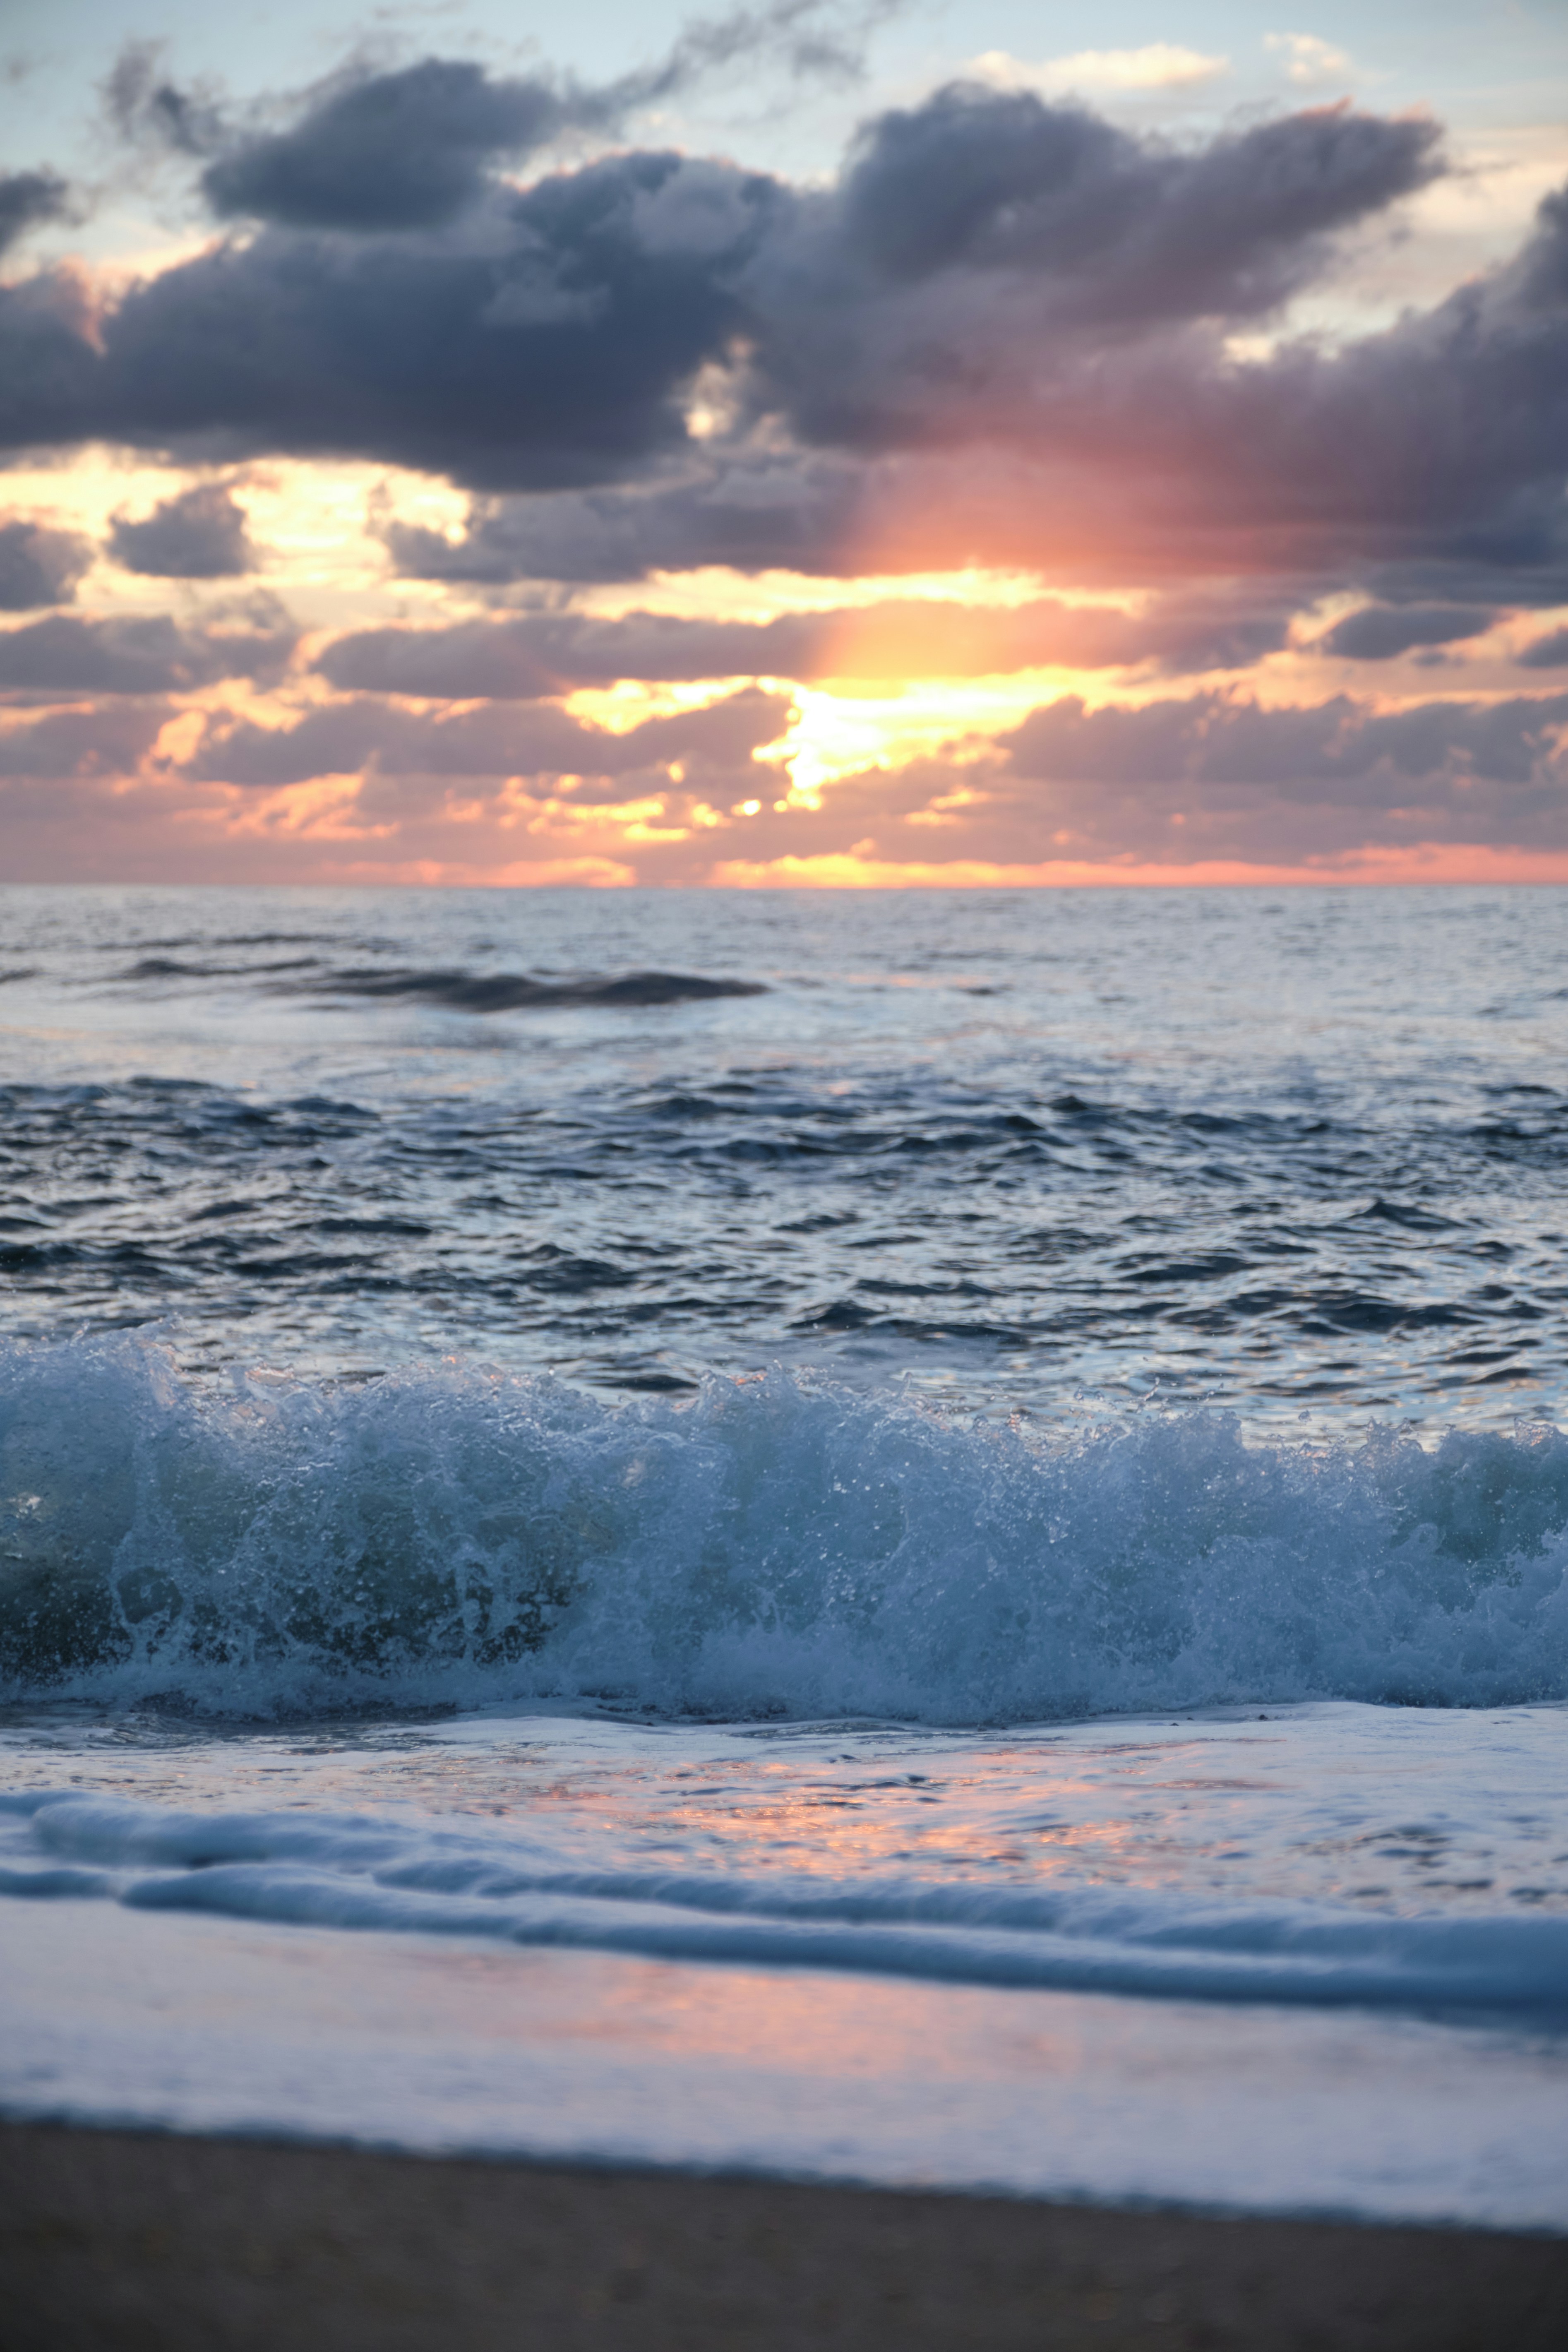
x=774 y=1547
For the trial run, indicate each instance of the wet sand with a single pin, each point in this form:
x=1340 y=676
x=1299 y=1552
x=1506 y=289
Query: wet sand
x=136 y=2242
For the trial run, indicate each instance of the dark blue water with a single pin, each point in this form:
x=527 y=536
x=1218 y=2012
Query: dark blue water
x=1291 y=1152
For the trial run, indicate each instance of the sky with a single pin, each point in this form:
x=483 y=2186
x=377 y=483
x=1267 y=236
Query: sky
x=826 y=442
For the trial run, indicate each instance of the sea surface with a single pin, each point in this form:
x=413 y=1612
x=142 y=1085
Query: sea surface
x=904 y=1537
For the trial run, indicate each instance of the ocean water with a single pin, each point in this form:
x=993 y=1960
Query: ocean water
x=913 y=1537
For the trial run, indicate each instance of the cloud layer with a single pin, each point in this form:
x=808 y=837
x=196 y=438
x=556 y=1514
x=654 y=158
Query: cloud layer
x=989 y=273
x=199 y=534
x=1010 y=336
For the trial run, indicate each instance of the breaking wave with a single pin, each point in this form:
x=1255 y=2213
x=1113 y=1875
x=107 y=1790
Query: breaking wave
x=774 y=1547
x=510 y=991
x=393 y=1876
x=454 y=987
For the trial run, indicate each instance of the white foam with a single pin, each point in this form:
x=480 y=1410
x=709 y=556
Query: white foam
x=216 y=2024
x=401 y=1876
x=772 y=1547
x=1309 y=1959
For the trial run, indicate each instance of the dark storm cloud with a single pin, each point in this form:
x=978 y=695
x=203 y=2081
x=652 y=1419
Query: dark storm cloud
x=1438 y=447
x=199 y=534
x=787 y=513
x=1043 y=297
x=495 y=742
x=27 y=198
x=389 y=151
x=547 y=337
x=110 y=742
x=1339 y=748
x=1445 y=437
x=1452 y=427
x=39 y=566
x=980 y=320
x=1380 y=631
x=826 y=514
x=1134 y=228
x=1549 y=652
x=416 y=146
x=551 y=653
x=542 y=654
x=49 y=367
x=991 y=267
x=550 y=345
x=64 y=655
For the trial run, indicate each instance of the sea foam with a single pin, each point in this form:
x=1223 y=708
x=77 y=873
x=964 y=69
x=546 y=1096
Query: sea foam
x=776 y=1545
x=397 y=1874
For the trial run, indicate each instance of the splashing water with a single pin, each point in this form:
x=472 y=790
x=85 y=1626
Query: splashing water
x=774 y=1547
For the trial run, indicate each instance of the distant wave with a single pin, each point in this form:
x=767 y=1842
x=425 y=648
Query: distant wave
x=168 y=967
x=771 y=1548
x=462 y=990
x=242 y=940
x=504 y=992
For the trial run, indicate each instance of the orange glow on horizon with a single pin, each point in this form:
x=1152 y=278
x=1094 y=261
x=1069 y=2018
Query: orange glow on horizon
x=1422 y=862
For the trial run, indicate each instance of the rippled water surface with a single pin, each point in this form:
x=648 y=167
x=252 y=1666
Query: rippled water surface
x=908 y=1538
x=1300 y=1153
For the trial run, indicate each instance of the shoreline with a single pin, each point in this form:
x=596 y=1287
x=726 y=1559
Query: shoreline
x=133 y=2241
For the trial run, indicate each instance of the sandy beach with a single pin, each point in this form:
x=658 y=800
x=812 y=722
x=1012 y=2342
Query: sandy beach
x=120 y=2240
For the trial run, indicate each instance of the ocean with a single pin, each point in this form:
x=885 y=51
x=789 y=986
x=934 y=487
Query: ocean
x=910 y=1537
